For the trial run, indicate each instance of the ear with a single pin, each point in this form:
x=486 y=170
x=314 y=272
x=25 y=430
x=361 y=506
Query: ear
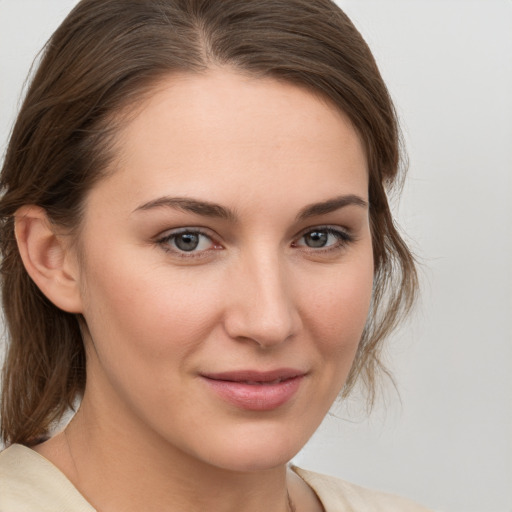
x=48 y=258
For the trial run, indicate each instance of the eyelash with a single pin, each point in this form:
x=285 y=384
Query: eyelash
x=166 y=240
x=343 y=239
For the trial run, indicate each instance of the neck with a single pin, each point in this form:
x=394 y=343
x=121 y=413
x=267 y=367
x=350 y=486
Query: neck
x=152 y=474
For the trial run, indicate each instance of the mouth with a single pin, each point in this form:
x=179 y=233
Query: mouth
x=262 y=383
x=256 y=377
x=255 y=390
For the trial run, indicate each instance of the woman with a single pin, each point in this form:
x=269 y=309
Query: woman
x=197 y=246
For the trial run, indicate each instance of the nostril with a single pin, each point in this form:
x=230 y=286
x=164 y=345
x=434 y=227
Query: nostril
x=260 y=306
x=261 y=328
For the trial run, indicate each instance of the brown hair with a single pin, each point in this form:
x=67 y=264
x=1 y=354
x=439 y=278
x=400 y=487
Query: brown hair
x=103 y=58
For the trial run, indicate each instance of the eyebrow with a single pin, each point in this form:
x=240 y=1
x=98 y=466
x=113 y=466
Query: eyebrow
x=208 y=209
x=331 y=205
x=204 y=208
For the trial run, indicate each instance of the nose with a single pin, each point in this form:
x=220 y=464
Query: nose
x=261 y=304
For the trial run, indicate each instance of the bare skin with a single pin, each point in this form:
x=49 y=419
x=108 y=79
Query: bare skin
x=302 y=497
x=232 y=235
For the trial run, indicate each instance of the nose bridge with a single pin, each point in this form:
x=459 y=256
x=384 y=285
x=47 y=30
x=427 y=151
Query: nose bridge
x=262 y=308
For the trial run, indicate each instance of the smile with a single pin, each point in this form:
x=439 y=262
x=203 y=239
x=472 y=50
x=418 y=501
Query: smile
x=256 y=391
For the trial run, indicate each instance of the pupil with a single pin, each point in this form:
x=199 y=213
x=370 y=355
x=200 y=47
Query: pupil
x=187 y=241
x=316 y=239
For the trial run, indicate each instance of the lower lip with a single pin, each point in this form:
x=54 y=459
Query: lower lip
x=256 y=397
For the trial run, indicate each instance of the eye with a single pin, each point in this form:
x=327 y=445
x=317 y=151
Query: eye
x=324 y=238
x=187 y=241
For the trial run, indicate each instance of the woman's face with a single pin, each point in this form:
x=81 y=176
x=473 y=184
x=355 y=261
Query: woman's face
x=227 y=269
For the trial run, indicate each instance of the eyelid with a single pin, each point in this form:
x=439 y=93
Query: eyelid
x=344 y=236
x=167 y=235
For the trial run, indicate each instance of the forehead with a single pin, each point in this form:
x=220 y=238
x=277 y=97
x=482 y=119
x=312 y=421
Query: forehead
x=215 y=132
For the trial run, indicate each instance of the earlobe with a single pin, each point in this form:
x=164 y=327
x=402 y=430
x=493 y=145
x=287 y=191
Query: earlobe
x=47 y=258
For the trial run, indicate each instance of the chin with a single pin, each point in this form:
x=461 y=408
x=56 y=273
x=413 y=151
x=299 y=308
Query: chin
x=257 y=448
x=250 y=460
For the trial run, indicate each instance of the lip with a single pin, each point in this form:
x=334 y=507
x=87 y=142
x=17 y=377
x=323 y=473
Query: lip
x=255 y=390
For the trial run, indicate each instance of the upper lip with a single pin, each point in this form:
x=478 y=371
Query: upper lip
x=279 y=374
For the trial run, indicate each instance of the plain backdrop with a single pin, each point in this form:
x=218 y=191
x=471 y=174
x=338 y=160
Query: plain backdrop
x=447 y=440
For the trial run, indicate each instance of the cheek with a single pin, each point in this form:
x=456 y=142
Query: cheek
x=145 y=312
x=338 y=308
x=336 y=313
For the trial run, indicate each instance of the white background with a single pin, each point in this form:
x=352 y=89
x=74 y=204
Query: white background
x=447 y=442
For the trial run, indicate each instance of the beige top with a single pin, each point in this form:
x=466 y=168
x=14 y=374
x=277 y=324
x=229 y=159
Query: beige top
x=31 y=483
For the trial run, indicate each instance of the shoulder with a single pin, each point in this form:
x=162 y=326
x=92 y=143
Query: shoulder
x=29 y=483
x=338 y=495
